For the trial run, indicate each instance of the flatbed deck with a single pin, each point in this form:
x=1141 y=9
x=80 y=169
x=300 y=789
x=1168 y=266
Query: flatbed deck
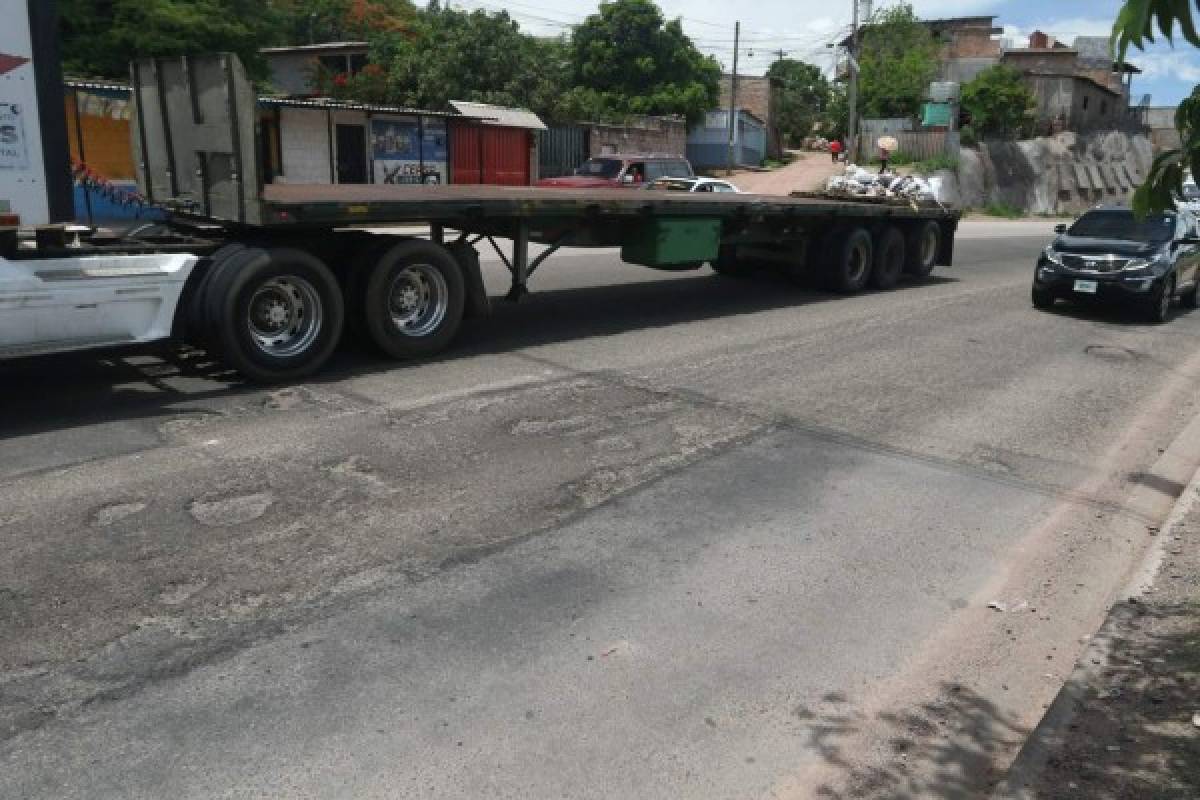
x=351 y=204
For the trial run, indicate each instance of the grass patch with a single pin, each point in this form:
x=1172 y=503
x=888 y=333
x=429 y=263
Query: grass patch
x=938 y=162
x=1003 y=210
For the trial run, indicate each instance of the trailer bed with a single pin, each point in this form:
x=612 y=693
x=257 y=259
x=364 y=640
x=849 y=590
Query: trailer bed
x=350 y=204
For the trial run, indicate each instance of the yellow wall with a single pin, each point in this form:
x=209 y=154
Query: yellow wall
x=106 y=143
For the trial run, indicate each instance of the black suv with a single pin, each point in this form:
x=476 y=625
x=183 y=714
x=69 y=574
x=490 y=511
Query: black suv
x=1110 y=254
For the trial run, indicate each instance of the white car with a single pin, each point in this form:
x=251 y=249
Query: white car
x=693 y=185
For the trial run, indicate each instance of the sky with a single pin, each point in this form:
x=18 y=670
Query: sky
x=802 y=28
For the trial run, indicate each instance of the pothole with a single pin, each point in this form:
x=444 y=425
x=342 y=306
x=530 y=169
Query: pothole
x=232 y=510
x=113 y=512
x=1111 y=352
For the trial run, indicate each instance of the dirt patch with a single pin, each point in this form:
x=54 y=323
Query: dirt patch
x=1135 y=733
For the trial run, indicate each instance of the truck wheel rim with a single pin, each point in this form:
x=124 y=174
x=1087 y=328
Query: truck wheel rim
x=285 y=316
x=418 y=299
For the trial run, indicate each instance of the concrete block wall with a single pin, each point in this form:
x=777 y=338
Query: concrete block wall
x=304 y=145
x=758 y=95
x=660 y=135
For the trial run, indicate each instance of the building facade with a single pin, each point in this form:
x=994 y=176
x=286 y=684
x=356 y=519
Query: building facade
x=758 y=95
x=295 y=70
x=708 y=141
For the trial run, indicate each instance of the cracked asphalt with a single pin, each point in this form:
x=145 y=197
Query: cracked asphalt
x=642 y=535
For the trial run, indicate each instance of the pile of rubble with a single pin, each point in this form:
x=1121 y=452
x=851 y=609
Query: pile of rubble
x=858 y=182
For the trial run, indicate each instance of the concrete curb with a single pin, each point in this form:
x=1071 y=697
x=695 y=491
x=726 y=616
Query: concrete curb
x=1042 y=742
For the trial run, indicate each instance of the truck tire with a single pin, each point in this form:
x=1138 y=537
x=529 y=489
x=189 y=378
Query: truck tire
x=197 y=330
x=848 y=255
x=727 y=265
x=923 y=243
x=355 y=290
x=889 y=259
x=414 y=299
x=274 y=314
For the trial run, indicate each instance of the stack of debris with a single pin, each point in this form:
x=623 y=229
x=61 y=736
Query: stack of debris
x=858 y=182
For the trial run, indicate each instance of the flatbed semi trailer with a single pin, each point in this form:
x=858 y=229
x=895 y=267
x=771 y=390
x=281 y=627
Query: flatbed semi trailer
x=268 y=276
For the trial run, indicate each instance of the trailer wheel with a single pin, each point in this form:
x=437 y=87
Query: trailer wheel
x=848 y=259
x=922 y=245
x=356 y=288
x=414 y=299
x=274 y=315
x=726 y=263
x=889 y=259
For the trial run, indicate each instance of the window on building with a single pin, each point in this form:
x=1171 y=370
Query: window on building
x=1085 y=102
x=357 y=62
x=1103 y=106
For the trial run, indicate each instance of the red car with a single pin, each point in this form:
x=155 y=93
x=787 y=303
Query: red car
x=622 y=171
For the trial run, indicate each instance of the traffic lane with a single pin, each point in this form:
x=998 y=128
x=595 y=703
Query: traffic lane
x=667 y=644
x=73 y=408
x=158 y=576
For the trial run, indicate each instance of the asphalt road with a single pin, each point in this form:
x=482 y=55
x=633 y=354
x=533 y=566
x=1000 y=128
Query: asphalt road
x=643 y=535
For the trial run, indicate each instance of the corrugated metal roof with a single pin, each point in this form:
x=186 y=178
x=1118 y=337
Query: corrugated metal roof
x=343 y=105
x=291 y=102
x=95 y=85
x=316 y=48
x=499 y=115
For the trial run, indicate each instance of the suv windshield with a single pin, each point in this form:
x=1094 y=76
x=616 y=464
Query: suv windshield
x=1123 y=225
x=600 y=168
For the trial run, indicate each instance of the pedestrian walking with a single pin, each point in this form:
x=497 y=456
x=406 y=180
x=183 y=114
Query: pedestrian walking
x=835 y=150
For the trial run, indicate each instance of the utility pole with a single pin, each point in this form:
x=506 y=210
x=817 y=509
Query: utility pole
x=780 y=53
x=852 y=98
x=737 y=30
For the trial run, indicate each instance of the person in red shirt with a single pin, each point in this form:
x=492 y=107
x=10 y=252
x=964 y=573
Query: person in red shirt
x=835 y=150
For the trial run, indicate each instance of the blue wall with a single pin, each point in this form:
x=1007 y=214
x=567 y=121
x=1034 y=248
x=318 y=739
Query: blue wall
x=707 y=143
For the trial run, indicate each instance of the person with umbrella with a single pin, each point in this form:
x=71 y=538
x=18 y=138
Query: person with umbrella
x=887 y=145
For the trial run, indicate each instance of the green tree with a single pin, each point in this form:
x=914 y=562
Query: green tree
x=1134 y=27
x=897 y=60
x=100 y=37
x=316 y=21
x=835 y=120
x=803 y=97
x=479 y=56
x=998 y=101
x=627 y=59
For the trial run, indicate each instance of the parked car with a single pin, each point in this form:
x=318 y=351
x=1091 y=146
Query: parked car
x=630 y=171
x=1109 y=254
x=693 y=185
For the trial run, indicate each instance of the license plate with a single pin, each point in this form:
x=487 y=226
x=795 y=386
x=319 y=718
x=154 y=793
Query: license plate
x=1087 y=287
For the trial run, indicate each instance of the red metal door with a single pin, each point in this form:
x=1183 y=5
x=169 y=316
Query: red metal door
x=466 y=152
x=506 y=156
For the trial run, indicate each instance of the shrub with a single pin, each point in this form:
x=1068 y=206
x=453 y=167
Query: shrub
x=938 y=162
x=1003 y=210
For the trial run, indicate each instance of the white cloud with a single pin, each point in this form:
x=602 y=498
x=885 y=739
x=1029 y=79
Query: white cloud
x=1169 y=65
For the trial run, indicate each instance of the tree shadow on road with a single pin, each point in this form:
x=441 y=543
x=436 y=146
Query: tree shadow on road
x=1131 y=734
x=947 y=748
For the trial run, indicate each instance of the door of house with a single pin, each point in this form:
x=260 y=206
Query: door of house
x=351 y=154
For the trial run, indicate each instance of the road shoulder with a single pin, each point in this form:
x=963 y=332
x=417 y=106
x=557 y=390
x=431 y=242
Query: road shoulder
x=1127 y=722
